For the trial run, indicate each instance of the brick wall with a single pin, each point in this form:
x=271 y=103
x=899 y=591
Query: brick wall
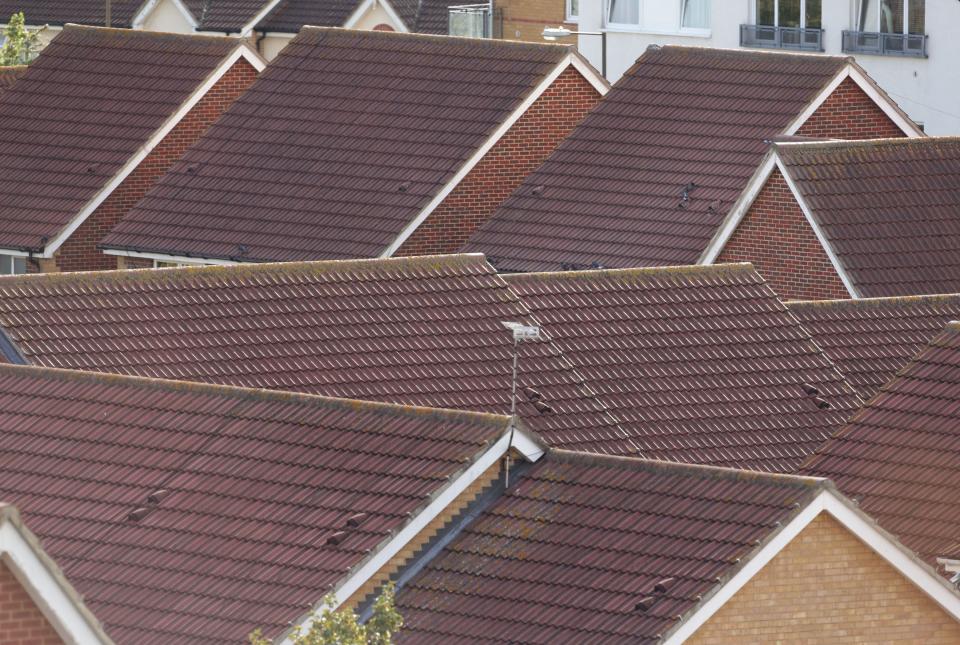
x=521 y=150
x=828 y=587
x=21 y=621
x=848 y=113
x=526 y=19
x=775 y=236
x=79 y=252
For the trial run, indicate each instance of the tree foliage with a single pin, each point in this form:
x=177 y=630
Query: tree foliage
x=19 y=45
x=332 y=627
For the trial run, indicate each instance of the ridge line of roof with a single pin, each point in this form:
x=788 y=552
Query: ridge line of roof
x=657 y=465
x=867 y=303
x=798 y=146
x=750 y=52
x=252 y=394
x=401 y=35
x=656 y=271
x=144 y=33
x=244 y=268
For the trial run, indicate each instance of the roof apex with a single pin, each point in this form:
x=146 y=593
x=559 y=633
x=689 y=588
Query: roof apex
x=638 y=273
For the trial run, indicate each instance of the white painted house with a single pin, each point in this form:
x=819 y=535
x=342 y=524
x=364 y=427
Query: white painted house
x=910 y=47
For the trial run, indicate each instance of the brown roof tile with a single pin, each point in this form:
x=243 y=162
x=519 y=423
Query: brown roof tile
x=900 y=455
x=253 y=483
x=231 y=15
x=423 y=331
x=610 y=194
x=9 y=75
x=698 y=364
x=82 y=109
x=889 y=208
x=568 y=553
x=421 y=16
x=339 y=144
x=870 y=340
x=61 y=12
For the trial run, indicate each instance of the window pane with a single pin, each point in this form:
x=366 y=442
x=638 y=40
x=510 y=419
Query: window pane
x=696 y=13
x=867 y=15
x=625 y=11
x=789 y=13
x=19 y=265
x=573 y=8
x=917 y=15
x=891 y=16
x=765 y=12
x=813 y=14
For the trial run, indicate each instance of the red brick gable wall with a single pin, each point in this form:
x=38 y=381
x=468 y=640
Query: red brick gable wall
x=521 y=150
x=79 y=252
x=848 y=113
x=776 y=237
x=21 y=621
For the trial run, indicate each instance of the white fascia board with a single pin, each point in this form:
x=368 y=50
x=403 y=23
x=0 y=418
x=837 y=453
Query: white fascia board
x=15 y=253
x=148 y=8
x=861 y=526
x=849 y=71
x=160 y=257
x=247 y=29
x=519 y=439
x=242 y=51
x=824 y=242
x=480 y=154
x=738 y=211
x=48 y=589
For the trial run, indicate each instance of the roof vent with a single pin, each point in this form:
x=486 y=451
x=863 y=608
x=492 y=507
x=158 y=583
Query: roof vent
x=91 y=169
x=644 y=604
x=192 y=169
x=686 y=190
x=404 y=187
x=157 y=496
x=542 y=407
x=714 y=206
x=336 y=538
x=823 y=404
x=138 y=514
x=810 y=389
x=537 y=190
x=532 y=394
x=661 y=587
x=355 y=520
x=242 y=249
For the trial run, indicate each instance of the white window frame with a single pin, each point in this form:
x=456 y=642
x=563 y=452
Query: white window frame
x=638 y=27
x=776 y=14
x=703 y=32
x=8 y=264
x=571 y=17
x=879 y=24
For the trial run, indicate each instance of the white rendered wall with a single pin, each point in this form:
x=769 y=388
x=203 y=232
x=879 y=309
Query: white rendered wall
x=167 y=17
x=927 y=89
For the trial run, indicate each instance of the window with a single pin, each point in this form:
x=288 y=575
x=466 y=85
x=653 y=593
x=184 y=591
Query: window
x=789 y=13
x=12 y=265
x=696 y=14
x=892 y=16
x=624 y=12
x=573 y=10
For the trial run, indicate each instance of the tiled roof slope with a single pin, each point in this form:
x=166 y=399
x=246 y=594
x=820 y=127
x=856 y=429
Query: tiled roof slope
x=569 y=553
x=889 y=208
x=422 y=16
x=61 y=12
x=251 y=486
x=337 y=146
x=900 y=455
x=698 y=364
x=83 y=108
x=9 y=75
x=871 y=339
x=230 y=16
x=611 y=193
x=422 y=331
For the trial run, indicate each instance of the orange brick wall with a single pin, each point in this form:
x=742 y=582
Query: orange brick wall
x=526 y=19
x=21 y=621
x=828 y=587
x=848 y=113
x=775 y=236
x=520 y=151
x=79 y=252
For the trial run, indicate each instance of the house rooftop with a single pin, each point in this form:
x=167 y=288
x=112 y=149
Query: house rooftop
x=650 y=174
x=333 y=152
x=422 y=16
x=899 y=457
x=699 y=364
x=82 y=110
x=597 y=548
x=139 y=488
x=888 y=208
x=871 y=339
